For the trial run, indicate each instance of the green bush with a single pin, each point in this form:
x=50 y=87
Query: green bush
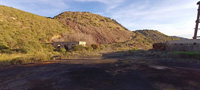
x=78 y=48
x=62 y=50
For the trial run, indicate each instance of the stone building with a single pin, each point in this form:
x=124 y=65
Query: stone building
x=67 y=45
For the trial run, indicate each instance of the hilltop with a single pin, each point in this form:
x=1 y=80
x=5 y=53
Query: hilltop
x=93 y=28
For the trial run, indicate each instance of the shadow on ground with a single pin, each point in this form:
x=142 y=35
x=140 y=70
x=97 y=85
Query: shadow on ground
x=117 y=71
x=108 y=76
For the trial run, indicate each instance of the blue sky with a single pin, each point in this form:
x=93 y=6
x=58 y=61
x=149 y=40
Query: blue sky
x=171 y=17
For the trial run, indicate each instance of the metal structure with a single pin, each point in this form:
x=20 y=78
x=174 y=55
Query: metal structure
x=197 y=22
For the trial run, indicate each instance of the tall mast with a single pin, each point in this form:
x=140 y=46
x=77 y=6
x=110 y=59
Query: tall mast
x=197 y=22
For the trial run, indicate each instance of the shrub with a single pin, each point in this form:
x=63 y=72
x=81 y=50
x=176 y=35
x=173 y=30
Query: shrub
x=102 y=47
x=89 y=48
x=133 y=50
x=63 y=50
x=3 y=47
x=20 y=50
x=6 y=51
x=95 y=46
x=18 y=60
x=78 y=48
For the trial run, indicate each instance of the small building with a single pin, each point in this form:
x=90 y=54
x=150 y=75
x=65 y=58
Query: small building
x=67 y=45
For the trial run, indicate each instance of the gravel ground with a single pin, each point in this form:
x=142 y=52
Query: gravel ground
x=130 y=73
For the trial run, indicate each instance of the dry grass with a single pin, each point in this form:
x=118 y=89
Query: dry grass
x=19 y=58
x=7 y=57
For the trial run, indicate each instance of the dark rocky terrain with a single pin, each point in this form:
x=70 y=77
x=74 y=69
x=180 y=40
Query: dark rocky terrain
x=127 y=73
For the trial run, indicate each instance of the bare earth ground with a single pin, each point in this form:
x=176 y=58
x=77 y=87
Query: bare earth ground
x=127 y=73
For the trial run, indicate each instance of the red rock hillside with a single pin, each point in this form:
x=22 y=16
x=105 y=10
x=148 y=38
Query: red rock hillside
x=92 y=28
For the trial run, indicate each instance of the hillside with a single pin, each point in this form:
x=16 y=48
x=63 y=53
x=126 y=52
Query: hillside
x=143 y=39
x=92 y=28
x=23 y=31
x=152 y=36
x=147 y=38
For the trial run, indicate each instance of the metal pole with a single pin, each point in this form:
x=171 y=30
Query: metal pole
x=197 y=22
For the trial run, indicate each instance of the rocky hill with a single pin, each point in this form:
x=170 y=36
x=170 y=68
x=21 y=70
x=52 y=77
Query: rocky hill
x=92 y=28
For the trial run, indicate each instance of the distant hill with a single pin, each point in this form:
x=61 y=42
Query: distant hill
x=25 y=31
x=144 y=39
x=181 y=38
x=92 y=28
x=152 y=36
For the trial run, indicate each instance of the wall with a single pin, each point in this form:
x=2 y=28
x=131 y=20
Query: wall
x=183 y=45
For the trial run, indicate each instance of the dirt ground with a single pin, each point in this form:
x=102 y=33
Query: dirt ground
x=127 y=73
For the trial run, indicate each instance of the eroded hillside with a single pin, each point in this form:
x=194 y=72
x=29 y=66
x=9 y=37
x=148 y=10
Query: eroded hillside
x=93 y=28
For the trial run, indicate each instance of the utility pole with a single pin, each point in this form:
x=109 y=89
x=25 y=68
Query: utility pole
x=197 y=22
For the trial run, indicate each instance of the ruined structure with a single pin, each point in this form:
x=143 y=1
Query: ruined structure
x=183 y=45
x=67 y=45
x=192 y=45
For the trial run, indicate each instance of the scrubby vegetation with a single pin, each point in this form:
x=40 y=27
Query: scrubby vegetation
x=26 y=34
